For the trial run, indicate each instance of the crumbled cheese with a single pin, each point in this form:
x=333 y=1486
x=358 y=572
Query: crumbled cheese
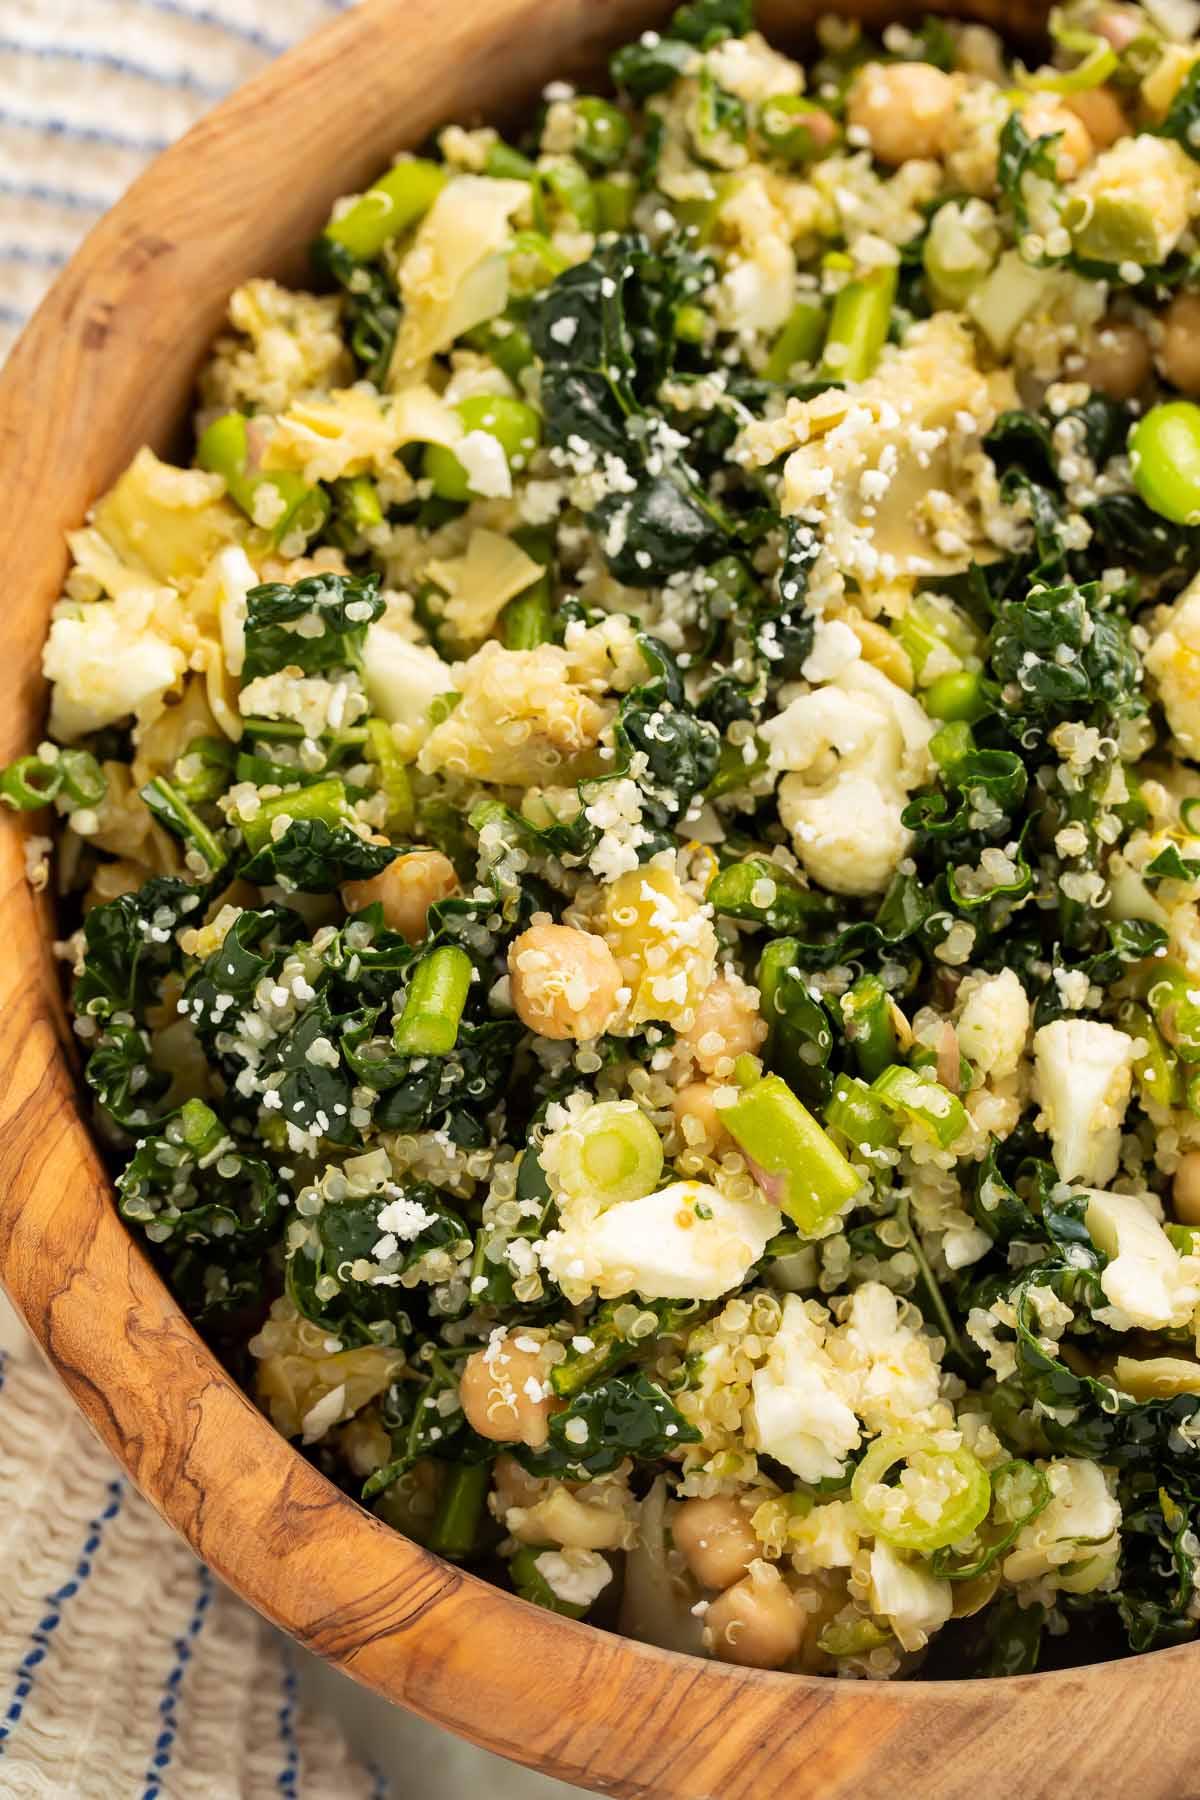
x=576 y=1577
x=802 y=1414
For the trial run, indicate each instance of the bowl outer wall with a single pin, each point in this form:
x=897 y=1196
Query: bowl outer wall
x=107 y=364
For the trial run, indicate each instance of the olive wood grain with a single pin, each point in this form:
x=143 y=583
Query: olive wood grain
x=105 y=366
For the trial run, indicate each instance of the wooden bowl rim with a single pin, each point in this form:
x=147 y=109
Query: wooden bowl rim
x=386 y=1650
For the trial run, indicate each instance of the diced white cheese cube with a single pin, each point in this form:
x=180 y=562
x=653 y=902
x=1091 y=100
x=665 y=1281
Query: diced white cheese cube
x=686 y=1242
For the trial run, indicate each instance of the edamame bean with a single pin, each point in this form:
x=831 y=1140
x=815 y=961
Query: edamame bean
x=601 y=132
x=797 y=130
x=957 y=696
x=1164 y=450
x=517 y=428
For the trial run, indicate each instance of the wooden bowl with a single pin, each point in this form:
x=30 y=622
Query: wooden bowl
x=106 y=365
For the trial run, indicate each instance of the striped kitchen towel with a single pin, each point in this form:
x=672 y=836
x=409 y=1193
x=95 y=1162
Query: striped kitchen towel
x=126 y=1671
x=90 y=90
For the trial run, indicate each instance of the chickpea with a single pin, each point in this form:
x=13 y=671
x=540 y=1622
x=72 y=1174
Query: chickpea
x=715 y=1539
x=756 y=1623
x=1045 y=115
x=564 y=982
x=726 y=1024
x=513 y=1485
x=1119 y=362
x=696 y=1102
x=1101 y=113
x=1179 y=355
x=406 y=889
x=504 y=1392
x=904 y=108
x=1185 y=1189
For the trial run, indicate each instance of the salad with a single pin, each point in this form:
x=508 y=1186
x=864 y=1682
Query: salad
x=629 y=831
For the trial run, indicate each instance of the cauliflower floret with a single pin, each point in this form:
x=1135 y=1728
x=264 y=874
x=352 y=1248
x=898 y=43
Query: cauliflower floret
x=749 y=68
x=106 y=661
x=802 y=1412
x=685 y=1242
x=1146 y=1279
x=289 y=345
x=1083 y=1077
x=914 y=1602
x=855 y=749
x=994 y=1025
x=1174 y=661
x=897 y=1378
x=521 y=721
x=1077 y=1531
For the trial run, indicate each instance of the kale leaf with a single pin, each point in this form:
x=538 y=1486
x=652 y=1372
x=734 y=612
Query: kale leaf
x=316 y=858
x=1022 y=158
x=342 y=1248
x=625 y=1416
x=370 y=309
x=129 y=945
x=223 y=985
x=680 y=750
x=1066 y=656
x=191 y=1183
x=318 y=623
x=120 y=1074
x=603 y=332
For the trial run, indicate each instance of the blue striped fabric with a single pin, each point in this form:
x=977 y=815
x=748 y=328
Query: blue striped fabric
x=90 y=90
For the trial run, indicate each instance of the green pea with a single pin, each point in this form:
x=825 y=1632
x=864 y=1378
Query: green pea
x=517 y=428
x=601 y=132
x=691 y=323
x=797 y=130
x=506 y=164
x=957 y=696
x=1164 y=450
